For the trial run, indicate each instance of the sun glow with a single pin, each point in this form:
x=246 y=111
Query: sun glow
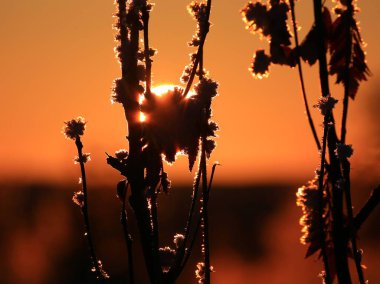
x=142 y=117
x=160 y=91
x=163 y=89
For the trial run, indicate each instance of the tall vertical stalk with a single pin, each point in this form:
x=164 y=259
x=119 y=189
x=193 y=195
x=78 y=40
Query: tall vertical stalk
x=127 y=235
x=148 y=61
x=204 y=214
x=322 y=234
x=345 y=162
x=135 y=177
x=95 y=262
x=338 y=233
x=310 y=119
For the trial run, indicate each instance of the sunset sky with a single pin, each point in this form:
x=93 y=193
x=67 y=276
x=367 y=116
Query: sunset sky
x=57 y=62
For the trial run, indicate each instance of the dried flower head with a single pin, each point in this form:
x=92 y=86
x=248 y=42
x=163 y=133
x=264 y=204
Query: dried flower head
x=84 y=158
x=119 y=91
x=175 y=123
x=269 y=20
x=206 y=88
x=325 y=104
x=121 y=154
x=200 y=272
x=78 y=198
x=308 y=199
x=103 y=273
x=178 y=240
x=199 y=11
x=167 y=257
x=260 y=65
x=343 y=151
x=74 y=128
x=255 y=16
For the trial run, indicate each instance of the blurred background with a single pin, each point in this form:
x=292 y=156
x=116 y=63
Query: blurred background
x=57 y=62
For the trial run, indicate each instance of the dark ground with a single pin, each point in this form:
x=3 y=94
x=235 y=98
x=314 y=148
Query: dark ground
x=254 y=236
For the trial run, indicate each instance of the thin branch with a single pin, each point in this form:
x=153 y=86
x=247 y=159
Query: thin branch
x=192 y=241
x=367 y=209
x=127 y=237
x=204 y=214
x=322 y=234
x=212 y=175
x=347 y=188
x=176 y=267
x=345 y=162
x=148 y=61
x=100 y=274
x=310 y=119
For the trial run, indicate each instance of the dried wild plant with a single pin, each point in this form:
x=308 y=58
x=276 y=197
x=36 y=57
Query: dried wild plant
x=329 y=225
x=159 y=127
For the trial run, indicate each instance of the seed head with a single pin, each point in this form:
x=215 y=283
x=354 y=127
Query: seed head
x=325 y=104
x=84 y=158
x=178 y=240
x=167 y=256
x=343 y=151
x=121 y=154
x=200 y=272
x=74 y=128
x=78 y=198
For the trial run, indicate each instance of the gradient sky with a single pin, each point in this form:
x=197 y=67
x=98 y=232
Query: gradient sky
x=57 y=62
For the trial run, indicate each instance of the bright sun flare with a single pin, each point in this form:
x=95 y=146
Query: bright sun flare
x=162 y=89
x=159 y=91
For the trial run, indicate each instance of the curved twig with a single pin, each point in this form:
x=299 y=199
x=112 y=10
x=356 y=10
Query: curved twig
x=310 y=119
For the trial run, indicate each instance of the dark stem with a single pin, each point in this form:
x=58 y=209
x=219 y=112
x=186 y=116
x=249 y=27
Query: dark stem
x=323 y=73
x=128 y=238
x=176 y=269
x=154 y=216
x=136 y=176
x=122 y=14
x=349 y=18
x=204 y=214
x=310 y=119
x=212 y=175
x=148 y=61
x=367 y=209
x=339 y=222
x=339 y=237
x=204 y=210
x=84 y=208
x=345 y=162
x=199 y=221
x=356 y=253
x=322 y=234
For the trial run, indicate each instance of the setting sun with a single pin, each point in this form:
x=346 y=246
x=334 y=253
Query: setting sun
x=162 y=89
x=142 y=117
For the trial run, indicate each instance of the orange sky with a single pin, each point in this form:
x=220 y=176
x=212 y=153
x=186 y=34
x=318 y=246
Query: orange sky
x=57 y=62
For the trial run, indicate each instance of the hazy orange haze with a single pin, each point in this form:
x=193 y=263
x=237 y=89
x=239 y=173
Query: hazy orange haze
x=57 y=62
